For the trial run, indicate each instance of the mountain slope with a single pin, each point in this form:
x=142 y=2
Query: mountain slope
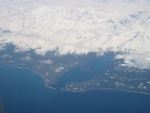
x=76 y=26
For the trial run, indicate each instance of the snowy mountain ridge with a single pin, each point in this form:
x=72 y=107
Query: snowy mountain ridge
x=93 y=26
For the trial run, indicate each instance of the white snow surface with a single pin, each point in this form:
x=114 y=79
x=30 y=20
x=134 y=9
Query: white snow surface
x=76 y=26
x=136 y=60
x=59 y=69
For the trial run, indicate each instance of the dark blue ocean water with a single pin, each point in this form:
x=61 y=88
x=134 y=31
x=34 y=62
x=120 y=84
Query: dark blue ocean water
x=23 y=91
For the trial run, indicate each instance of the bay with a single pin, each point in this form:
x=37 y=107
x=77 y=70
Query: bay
x=85 y=72
x=23 y=91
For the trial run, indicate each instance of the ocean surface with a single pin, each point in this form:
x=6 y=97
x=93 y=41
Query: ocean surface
x=23 y=91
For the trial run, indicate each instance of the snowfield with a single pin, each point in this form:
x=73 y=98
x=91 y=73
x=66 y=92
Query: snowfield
x=73 y=26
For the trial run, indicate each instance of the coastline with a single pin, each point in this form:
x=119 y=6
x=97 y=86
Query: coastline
x=62 y=89
x=111 y=89
x=41 y=75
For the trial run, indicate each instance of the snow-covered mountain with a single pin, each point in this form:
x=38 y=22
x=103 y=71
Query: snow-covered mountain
x=76 y=26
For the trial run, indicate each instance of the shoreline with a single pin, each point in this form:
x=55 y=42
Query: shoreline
x=110 y=89
x=62 y=89
x=41 y=75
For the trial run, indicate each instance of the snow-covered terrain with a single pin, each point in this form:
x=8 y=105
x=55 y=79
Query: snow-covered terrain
x=76 y=26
